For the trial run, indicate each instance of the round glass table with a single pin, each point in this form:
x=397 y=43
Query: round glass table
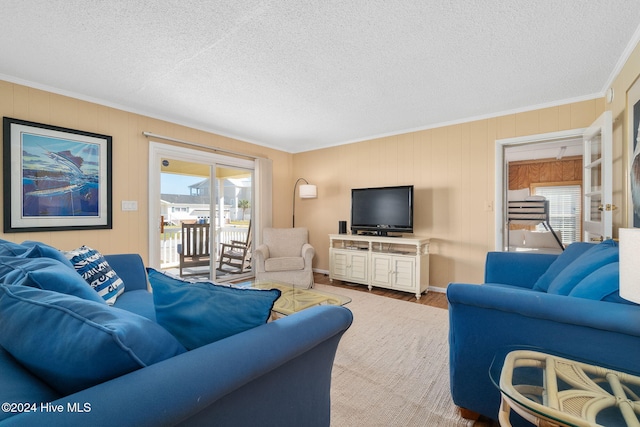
x=552 y=390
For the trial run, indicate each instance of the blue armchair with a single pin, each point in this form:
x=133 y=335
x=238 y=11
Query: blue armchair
x=512 y=309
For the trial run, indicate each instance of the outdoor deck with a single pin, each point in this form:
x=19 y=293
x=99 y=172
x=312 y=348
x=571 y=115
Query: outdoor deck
x=172 y=237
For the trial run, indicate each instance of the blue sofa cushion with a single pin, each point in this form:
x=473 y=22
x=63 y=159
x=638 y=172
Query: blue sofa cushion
x=32 y=249
x=567 y=256
x=601 y=285
x=18 y=385
x=45 y=273
x=71 y=343
x=597 y=256
x=39 y=249
x=137 y=301
x=93 y=268
x=198 y=313
x=8 y=248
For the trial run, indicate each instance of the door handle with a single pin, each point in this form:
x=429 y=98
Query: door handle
x=608 y=207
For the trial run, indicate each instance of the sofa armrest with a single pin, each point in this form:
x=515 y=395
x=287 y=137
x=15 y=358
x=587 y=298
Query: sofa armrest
x=516 y=269
x=486 y=319
x=130 y=268
x=280 y=371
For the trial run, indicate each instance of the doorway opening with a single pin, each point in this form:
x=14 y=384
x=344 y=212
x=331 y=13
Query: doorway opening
x=546 y=171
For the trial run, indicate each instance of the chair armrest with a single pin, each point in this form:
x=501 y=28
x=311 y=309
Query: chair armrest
x=232 y=246
x=308 y=252
x=260 y=255
x=602 y=315
x=517 y=269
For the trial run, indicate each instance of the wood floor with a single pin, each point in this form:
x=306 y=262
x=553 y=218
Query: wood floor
x=433 y=299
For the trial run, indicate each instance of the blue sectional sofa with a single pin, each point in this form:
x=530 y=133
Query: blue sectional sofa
x=278 y=373
x=567 y=304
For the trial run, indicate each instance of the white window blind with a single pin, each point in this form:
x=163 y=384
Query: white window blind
x=564 y=210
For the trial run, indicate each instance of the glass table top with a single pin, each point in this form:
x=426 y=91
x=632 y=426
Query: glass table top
x=293 y=299
x=566 y=391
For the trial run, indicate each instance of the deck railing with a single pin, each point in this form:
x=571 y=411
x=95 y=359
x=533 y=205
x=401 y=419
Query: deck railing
x=172 y=237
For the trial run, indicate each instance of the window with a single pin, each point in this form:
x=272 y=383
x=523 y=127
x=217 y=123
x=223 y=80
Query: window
x=565 y=208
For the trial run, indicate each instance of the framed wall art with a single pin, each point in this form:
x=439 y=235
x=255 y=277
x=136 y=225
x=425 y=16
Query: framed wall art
x=55 y=178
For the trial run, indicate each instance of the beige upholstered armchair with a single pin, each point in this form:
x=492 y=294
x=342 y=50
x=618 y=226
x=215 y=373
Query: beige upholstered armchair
x=285 y=255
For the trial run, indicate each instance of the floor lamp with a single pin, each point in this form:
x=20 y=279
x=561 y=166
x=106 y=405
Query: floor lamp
x=307 y=191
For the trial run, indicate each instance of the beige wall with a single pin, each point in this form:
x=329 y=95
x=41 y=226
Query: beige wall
x=130 y=163
x=451 y=167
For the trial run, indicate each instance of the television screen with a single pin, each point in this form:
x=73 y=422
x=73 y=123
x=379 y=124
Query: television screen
x=382 y=210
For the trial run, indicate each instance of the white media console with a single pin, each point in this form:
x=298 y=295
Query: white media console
x=400 y=263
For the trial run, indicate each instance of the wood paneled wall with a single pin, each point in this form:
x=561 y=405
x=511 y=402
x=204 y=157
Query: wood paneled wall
x=130 y=231
x=524 y=173
x=452 y=169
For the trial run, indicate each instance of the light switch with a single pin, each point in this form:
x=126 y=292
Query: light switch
x=129 y=205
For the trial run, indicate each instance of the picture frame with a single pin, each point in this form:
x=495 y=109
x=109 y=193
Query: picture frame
x=55 y=178
x=633 y=147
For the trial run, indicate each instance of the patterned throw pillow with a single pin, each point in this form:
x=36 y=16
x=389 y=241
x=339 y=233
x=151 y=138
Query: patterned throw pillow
x=93 y=268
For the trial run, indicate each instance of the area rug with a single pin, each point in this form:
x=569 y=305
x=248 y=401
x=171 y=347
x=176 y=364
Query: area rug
x=391 y=367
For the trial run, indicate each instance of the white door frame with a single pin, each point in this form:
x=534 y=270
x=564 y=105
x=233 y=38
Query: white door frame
x=602 y=227
x=501 y=172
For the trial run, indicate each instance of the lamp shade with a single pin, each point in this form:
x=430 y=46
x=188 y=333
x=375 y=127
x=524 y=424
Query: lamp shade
x=630 y=264
x=308 y=191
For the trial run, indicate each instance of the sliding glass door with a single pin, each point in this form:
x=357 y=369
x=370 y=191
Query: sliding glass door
x=203 y=205
x=234 y=194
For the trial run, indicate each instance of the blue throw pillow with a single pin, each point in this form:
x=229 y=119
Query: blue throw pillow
x=95 y=269
x=199 y=313
x=72 y=344
x=567 y=256
x=601 y=285
x=45 y=273
x=39 y=249
x=599 y=255
x=8 y=248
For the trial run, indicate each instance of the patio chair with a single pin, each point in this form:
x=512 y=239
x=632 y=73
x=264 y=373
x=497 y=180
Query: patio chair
x=235 y=256
x=195 y=250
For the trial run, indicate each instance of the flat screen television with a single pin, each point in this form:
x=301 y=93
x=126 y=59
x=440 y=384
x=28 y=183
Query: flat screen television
x=382 y=210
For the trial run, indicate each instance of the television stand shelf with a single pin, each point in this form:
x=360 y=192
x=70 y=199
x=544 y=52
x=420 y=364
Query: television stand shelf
x=399 y=263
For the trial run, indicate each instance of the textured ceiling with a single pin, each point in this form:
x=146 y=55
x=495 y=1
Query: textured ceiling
x=299 y=75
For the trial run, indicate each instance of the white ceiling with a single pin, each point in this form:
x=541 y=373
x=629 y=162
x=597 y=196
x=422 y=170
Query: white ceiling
x=300 y=75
